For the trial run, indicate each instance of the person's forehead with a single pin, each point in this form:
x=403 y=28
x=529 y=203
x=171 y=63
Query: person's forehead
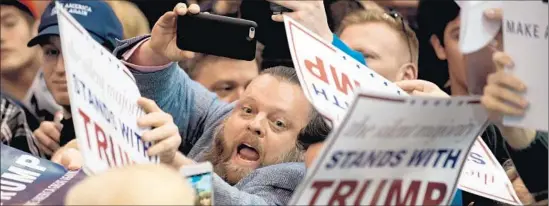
x=227 y=70
x=6 y=11
x=277 y=94
x=222 y=67
x=373 y=35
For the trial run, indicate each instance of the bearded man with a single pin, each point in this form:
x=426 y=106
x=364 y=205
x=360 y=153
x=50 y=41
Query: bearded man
x=255 y=144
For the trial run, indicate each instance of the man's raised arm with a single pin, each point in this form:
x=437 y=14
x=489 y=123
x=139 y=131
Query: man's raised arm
x=151 y=60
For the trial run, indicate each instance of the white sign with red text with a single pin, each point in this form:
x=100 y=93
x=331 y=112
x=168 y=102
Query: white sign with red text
x=103 y=97
x=483 y=175
x=401 y=157
x=328 y=75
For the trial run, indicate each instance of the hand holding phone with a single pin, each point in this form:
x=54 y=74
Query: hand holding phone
x=162 y=48
x=277 y=9
x=200 y=176
x=217 y=35
x=310 y=14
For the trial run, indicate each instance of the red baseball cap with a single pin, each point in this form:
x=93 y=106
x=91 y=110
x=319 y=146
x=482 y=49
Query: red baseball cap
x=26 y=6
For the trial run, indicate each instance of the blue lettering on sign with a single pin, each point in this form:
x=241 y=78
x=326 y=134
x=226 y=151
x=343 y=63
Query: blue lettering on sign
x=354 y=159
x=476 y=158
x=332 y=98
x=446 y=157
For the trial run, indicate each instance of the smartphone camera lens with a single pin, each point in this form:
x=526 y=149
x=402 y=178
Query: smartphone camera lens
x=251 y=34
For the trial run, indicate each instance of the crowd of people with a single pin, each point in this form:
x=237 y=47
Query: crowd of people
x=250 y=119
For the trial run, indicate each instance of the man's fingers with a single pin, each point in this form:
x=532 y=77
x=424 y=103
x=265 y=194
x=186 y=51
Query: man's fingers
x=180 y=9
x=51 y=130
x=416 y=85
x=494 y=14
x=71 y=159
x=155 y=119
x=496 y=105
x=148 y=105
x=167 y=20
x=163 y=146
x=56 y=158
x=506 y=80
x=502 y=61
x=293 y=5
x=160 y=133
x=277 y=18
x=194 y=9
x=188 y=54
x=48 y=145
x=44 y=149
x=410 y=85
x=506 y=96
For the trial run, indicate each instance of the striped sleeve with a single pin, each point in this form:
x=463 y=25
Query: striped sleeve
x=14 y=129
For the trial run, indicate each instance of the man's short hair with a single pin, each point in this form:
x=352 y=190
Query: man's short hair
x=366 y=16
x=192 y=66
x=433 y=17
x=316 y=129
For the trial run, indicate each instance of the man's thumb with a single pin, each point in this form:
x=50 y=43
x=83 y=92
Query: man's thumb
x=419 y=93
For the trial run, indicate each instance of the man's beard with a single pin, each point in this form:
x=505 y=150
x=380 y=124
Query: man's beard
x=220 y=157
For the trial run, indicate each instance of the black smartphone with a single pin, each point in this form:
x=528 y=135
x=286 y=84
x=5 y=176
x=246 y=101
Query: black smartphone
x=217 y=35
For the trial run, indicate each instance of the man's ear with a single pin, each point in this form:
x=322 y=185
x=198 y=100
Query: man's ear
x=439 y=49
x=408 y=71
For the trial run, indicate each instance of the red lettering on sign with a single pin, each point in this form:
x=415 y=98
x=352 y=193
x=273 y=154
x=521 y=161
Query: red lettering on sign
x=101 y=143
x=346 y=191
x=113 y=154
x=395 y=190
x=319 y=186
x=361 y=192
x=86 y=121
x=431 y=188
x=340 y=195
x=106 y=147
x=317 y=69
x=342 y=83
x=378 y=192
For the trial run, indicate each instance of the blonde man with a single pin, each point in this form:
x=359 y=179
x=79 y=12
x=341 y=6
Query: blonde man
x=388 y=44
x=228 y=78
x=390 y=48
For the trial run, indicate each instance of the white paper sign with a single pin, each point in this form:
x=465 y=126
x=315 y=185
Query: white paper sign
x=411 y=155
x=103 y=97
x=525 y=32
x=476 y=31
x=328 y=75
x=483 y=175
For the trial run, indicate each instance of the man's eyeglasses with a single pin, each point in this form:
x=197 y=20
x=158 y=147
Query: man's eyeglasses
x=398 y=17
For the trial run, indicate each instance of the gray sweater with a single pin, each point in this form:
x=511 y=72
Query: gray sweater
x=197 y=112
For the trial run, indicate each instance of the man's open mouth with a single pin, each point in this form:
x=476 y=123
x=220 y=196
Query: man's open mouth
x=247 y=152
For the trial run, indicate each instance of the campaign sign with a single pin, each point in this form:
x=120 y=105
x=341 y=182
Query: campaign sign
x=401 y=157
x=26 y=179
x=103 y=97
x=483 y=175
x=328 y=75
x=525 y=34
